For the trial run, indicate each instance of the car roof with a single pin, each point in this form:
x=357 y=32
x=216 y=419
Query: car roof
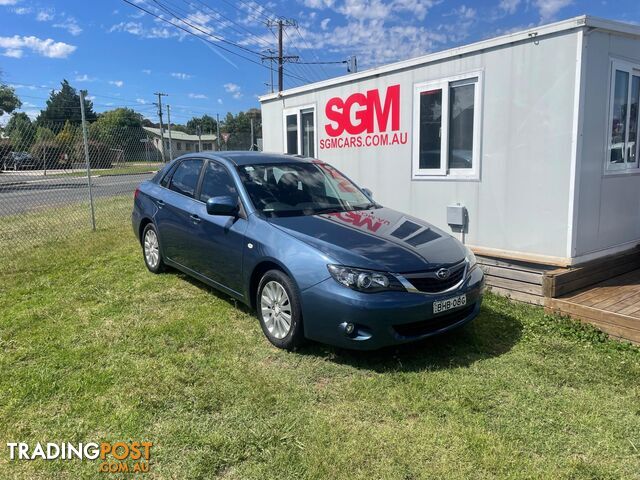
x=241 y=158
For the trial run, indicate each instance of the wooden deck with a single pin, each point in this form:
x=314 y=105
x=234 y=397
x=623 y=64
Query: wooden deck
x=613 y=305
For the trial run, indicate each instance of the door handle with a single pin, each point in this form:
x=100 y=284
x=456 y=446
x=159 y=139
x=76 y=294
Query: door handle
x=195 y=218
x=160 y=203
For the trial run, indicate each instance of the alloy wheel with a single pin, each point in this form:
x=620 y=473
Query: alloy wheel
x=151 y=248
x=275 y=308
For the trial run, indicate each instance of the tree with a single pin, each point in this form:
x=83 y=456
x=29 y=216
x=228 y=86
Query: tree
x=120 y=130
x=44 y=134
x=206 y=123
x=63 y=106
x=9 y=101
x=239 y=126
x=21 y=131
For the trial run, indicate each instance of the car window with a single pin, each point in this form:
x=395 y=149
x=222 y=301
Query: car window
x=216 y=182
x=185 y=178
x=298 y=188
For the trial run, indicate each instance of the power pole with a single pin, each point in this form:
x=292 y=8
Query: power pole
x=199 y=132
x=252 y=141
x=218 y=130
x=169 y=129
x=159 y=105
x=281 y=58
x=270 y=56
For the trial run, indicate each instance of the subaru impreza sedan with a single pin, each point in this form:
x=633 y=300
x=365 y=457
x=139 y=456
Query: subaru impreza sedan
x=311 y=252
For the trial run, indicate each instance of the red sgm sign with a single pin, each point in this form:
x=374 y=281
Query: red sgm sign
x=364 y=120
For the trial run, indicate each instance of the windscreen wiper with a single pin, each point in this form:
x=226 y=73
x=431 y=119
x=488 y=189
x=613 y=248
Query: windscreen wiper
x=333 y=209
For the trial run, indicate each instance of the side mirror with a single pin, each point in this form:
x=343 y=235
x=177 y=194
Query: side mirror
x=226 y=205
x=368 y=193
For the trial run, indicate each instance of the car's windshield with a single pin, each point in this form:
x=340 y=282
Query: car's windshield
x=296 y=188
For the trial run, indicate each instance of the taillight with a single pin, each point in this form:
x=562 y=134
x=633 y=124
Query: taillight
x=136 y=193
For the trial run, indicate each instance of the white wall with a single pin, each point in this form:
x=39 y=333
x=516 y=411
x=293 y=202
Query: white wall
x=608 y=207
x=521 y=202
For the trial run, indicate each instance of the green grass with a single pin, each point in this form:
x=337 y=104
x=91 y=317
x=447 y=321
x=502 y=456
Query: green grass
x=93 y=348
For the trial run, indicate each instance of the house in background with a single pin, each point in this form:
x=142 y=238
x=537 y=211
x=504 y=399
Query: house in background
x=181 y=142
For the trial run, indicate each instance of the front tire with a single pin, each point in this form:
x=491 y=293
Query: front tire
x=279 y=312
x=151 y=249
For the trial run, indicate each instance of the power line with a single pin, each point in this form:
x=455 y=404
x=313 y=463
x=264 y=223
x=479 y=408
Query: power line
x=217 y=12
x=203 y=39
x=209 y=34
x=311 y=50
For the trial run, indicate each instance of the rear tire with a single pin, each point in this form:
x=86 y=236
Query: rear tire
x=278 y=309
x=151 y=251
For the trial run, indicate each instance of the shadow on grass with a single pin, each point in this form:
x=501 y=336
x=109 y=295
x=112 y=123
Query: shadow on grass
x=228 y=299
x=491 y=334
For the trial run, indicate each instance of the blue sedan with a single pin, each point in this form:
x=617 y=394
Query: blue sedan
x=312 y=253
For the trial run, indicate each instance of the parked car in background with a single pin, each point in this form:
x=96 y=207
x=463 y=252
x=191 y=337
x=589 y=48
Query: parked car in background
x=305 y=247
x=20 y=161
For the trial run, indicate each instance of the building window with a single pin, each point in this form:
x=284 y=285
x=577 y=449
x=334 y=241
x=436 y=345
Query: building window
x=188 y=145
x=179 y=145
x=446 y=127
x=623 y=134
x=207 y=146
x=300 y=131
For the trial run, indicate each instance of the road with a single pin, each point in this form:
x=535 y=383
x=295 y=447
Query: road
x=38 y=193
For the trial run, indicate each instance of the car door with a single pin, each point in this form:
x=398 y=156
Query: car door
x=176 y=217
x=220 y=240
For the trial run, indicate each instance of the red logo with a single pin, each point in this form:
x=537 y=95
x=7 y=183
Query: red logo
x=365 y=120
x=367 y=110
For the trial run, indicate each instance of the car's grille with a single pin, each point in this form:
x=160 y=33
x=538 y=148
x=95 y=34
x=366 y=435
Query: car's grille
x=429 y=283
x=425 y=327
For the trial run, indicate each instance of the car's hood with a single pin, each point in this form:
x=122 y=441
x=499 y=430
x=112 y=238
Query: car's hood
x=379 y=239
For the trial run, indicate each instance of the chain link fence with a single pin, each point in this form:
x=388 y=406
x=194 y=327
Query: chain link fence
x=58 y=178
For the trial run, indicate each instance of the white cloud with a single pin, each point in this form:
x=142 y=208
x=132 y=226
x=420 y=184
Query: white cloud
x=90 y=97
x=324 y=24
x=549 y=8
x=141 y=101
x=137 y=29
x=509 y=6
x=146 y=71
x=70 y=25
x=21 y=10
x=47 y=48
x=117 y=83
x=220 y=101
x=13 y=53
x=8 y=2
x=181 y=76
x=318 y=4
x=197 y=96
x=233 y=89
x=84 y=78
x=44 y=16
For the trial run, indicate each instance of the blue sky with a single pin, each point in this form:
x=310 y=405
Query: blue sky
x=122 y=55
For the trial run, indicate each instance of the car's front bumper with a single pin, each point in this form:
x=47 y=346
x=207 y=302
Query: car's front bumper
x=386 y=318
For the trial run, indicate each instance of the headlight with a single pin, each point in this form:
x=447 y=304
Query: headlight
x=471 y=260
x=361 y=280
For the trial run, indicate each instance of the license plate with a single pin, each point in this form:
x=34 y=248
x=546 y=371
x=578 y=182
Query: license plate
x=449 y=304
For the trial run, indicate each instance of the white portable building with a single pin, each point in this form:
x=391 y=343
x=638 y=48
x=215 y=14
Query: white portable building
x=534 y=134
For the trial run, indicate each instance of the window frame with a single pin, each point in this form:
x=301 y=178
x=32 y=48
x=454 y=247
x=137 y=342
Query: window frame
x=297 y=111
x=444 y=85
x=208 y=161
x=196 y=198
x=633 y=69
x=196 y=191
